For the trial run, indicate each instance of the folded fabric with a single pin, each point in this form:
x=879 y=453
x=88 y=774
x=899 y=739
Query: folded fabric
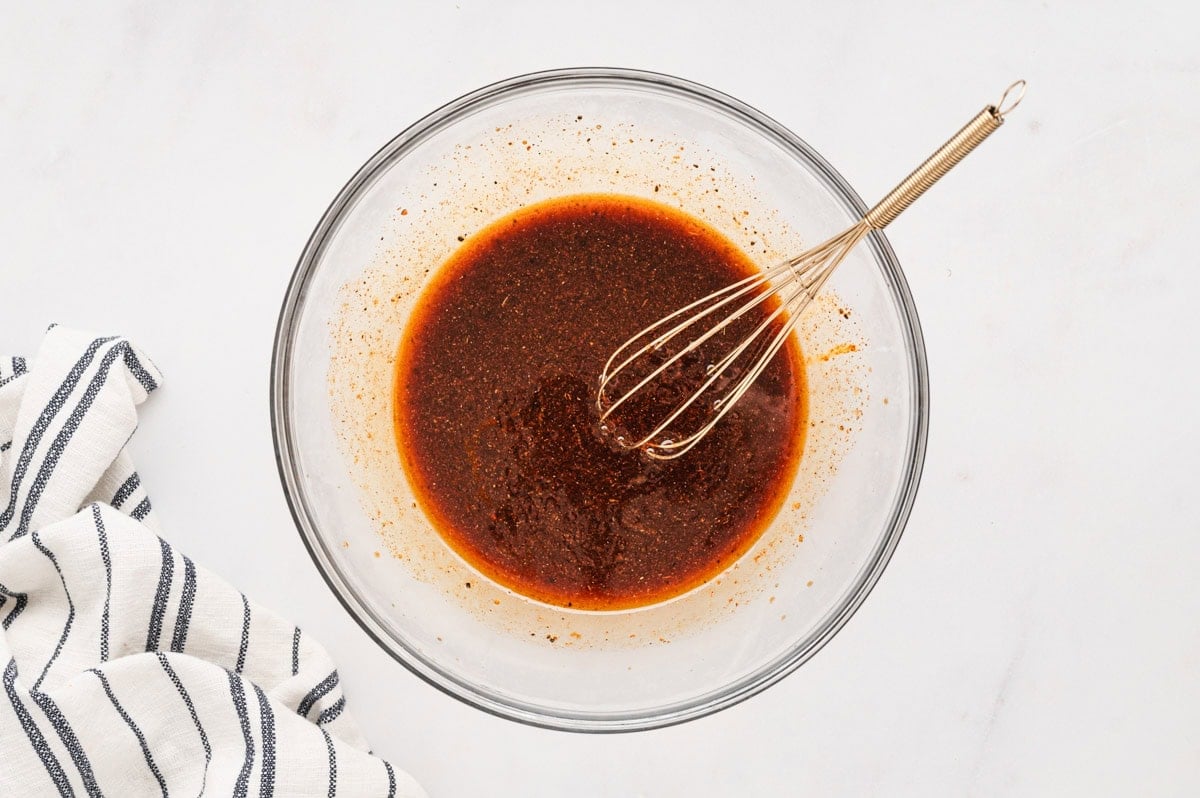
x=128 y=669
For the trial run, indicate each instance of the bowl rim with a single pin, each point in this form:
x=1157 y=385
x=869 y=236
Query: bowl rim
x=698 y=706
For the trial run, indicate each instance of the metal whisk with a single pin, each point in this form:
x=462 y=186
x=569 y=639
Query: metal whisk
x=785 y=290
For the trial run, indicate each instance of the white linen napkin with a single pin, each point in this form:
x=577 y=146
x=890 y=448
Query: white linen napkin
x=127 y=669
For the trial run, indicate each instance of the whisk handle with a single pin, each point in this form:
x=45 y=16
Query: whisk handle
x=985 y=123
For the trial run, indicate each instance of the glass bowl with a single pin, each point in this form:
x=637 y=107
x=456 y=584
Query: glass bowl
x=476 y=159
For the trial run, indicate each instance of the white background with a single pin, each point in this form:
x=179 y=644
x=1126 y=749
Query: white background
x=1038 y=631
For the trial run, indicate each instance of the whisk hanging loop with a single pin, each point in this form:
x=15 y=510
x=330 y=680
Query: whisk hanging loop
x=985 y=123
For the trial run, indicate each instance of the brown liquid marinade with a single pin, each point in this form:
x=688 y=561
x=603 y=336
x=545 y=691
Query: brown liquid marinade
x=495 y=409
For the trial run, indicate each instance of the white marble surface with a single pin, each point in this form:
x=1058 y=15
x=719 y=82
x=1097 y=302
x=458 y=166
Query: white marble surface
x=1038 y=631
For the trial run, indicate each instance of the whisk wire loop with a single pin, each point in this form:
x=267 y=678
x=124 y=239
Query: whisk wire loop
x=791 y=284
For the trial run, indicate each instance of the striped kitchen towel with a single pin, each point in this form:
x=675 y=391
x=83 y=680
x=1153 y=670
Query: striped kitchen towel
x=129 y=670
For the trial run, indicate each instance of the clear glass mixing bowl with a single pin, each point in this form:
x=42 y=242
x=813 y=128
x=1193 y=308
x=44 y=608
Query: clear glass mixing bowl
x=478 y=158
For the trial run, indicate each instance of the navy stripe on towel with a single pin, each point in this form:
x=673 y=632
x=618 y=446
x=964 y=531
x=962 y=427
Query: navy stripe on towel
x=43 y=423
x=241 y=660
x=21 y=600
x=332 y=711
x=159 y=610
x=142 y=510
x=184 y=616
x=317 y=693
x=191 y=708
x=238 y=693
x=126 y=490
x=391 y=779
x=296 y=652
x=332 y=764
x=69 y=740
x=107 y=558
x=18 y=368
x=40 y=746
x=141 y=738
x=59 y=444
x=266 y=785
x=62 y=639
x=135 y=367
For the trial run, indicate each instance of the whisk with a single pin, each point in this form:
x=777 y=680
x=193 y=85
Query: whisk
x=795 y=282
